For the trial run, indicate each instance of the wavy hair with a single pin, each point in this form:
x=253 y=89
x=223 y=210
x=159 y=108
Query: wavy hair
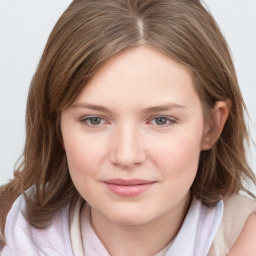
x=89 y=33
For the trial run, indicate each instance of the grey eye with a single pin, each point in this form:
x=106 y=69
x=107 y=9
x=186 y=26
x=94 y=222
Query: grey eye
x=94 y=120
x=161 y=120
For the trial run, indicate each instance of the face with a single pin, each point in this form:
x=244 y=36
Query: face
x=133 y=138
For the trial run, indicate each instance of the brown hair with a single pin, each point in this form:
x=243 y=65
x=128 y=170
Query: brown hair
x=87 y=34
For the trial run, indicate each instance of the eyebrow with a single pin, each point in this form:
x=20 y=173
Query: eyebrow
x=92 y=107
x=144 y=110
x=163 y=107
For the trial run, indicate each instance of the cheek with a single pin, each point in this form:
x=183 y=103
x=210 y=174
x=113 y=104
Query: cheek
x=82 y=163
x=81 y=154
x=178 y=156
x=178 y=166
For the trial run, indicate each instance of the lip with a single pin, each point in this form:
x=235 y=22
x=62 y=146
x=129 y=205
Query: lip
x=128 y=188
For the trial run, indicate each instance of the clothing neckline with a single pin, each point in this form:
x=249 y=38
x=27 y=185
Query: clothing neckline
x=198 y=230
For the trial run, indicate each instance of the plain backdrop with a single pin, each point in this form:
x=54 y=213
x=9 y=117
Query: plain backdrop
x=25 y=26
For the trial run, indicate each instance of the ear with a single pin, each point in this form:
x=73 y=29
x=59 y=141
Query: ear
x=213 y=129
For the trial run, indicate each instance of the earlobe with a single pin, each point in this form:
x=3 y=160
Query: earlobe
x=218 y=119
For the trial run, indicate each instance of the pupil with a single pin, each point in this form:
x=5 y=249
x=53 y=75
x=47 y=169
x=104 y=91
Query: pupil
x=95 y=120
x=161 y=121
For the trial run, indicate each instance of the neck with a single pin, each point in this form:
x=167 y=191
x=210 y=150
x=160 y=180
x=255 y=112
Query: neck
x=145 y=239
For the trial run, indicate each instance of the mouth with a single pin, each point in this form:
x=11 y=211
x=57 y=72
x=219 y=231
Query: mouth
x=128 y=188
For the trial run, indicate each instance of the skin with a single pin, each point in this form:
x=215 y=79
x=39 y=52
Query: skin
x=139 y=117
x=245 y=244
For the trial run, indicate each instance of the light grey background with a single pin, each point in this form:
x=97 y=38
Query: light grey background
x=24 y=29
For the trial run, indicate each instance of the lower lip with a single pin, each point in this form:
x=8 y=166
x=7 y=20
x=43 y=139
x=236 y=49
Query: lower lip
x=128 y=191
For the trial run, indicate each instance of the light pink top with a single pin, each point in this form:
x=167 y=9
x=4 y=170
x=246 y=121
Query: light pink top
x=60 y=238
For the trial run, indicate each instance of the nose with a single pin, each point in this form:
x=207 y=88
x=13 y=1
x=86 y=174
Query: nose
x=127 y=147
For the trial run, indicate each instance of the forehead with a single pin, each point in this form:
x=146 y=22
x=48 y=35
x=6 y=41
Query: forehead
x=140 y=76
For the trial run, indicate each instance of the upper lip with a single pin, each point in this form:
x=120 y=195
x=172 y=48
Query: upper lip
x=128 y=182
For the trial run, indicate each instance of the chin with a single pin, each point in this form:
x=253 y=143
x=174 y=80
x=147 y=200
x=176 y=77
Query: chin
x=130 y=217
x=131 y=220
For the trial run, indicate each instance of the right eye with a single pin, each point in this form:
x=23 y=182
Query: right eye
x=92 y=121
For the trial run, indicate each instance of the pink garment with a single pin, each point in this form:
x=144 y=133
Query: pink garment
x=25 y=240
x=194 y=238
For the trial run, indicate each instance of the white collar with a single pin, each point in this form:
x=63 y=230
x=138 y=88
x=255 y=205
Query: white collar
x=194 y=238
x=197 y=231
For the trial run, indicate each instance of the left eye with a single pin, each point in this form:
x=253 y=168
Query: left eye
x=162 y=121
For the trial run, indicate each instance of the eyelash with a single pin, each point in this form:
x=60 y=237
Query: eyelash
x=85 y=120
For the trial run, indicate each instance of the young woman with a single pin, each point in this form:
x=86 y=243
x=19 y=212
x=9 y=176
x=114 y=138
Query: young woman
x=135 y=138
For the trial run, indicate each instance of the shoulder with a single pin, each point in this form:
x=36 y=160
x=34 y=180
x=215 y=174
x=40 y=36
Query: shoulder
x=237 y=209
x=27 y=240
x=8 y=194
x=245 y=244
